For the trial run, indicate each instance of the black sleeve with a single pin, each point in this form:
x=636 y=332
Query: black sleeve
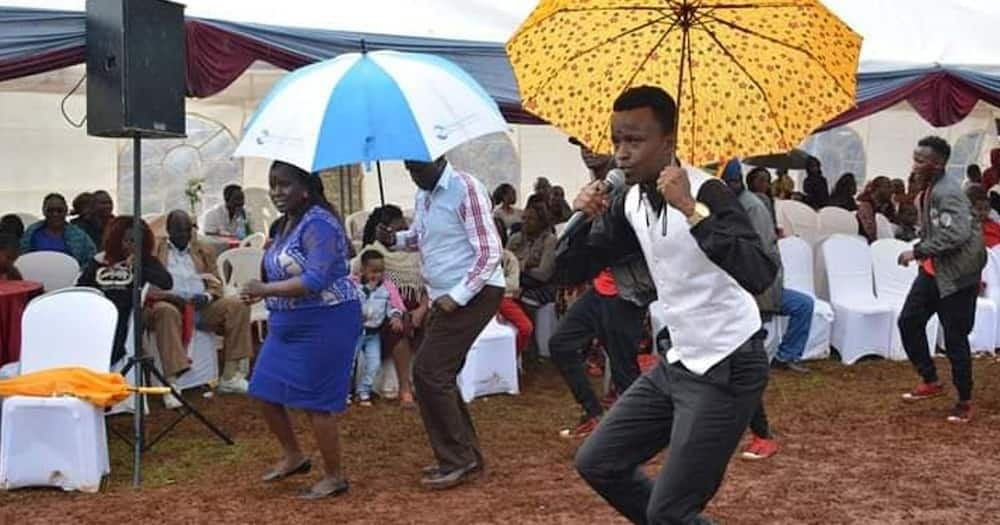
x=89 y=275
x=153 y=272
x=729 y=240
x=596 y=245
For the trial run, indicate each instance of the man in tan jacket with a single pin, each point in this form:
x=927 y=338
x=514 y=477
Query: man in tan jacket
x=197 y=285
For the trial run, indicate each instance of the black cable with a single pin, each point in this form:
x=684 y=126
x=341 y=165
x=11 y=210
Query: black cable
x=62 y=105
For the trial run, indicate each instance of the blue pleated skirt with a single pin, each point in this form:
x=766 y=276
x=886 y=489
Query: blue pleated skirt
x=307 y=357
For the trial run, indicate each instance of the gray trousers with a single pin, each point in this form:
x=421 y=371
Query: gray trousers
x=700 y=419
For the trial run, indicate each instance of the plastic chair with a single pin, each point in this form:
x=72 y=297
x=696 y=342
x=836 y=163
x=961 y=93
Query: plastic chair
x=796 y=218
x=236 y=267
x=355 y=223
x=834 y=220
x=254 y=240
x=59 y=441
x=884 y=227
x=797 y=260
x=892 y=285
x=55 y=270
x=862 y=323
x=983 y=339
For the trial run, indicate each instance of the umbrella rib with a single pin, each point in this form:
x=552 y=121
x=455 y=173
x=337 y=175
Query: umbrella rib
x=713 y=7
x=652 y=52
x=763 y=92
x=576 y=56
x=773 y=40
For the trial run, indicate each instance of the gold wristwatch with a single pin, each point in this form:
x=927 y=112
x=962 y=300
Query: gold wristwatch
x=701 y=212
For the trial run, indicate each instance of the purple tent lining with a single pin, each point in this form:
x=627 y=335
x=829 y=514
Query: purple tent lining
x=34 y=41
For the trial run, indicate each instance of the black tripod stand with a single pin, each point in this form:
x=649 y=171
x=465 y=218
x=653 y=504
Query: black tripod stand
x=144 y=366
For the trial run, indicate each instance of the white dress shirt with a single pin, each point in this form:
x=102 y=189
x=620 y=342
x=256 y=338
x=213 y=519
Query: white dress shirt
x=217 y=221
x=453 y=229
x=188 y=283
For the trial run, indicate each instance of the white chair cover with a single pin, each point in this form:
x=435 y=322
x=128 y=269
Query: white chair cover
x=59 y=441
x=892 y=285
x=796 y=218
x=491 y=365
x=862 y=323
x=983 y=339
x=884 y=227
x=545 y=325
x=836 y=220
x=797 y=260
x=55 y=270
x=204 y=356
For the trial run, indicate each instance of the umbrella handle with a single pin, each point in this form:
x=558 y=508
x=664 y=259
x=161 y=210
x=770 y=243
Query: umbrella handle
x=158 y=390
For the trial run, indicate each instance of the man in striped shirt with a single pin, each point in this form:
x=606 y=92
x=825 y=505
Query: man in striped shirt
x=460 y=254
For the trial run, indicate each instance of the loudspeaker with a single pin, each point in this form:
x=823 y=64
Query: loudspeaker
x=135 y=68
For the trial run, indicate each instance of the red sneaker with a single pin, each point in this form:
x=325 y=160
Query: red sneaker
x=760 y=448
x=924 y=391
x=582 y=430
x=962 y=413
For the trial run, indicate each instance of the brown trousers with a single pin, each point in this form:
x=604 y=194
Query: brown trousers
x=440 y=358
x=228 y=317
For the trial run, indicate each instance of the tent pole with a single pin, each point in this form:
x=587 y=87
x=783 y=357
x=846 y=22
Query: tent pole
x=381 y=189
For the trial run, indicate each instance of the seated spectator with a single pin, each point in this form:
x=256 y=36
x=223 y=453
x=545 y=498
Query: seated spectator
x=111 y=272
x=815 y=189
x=784 y=185
x=504 y=199
x=987 y=218
x=381 y=308
x=558 y=206
x=876 y=198
x=8 y=254
x=991 y=176
x=899 y=194
x=56 y=235
x=542 y=188
x=844 y=191
x=403 y=268
x=511 y=310
x=104 y=211
x=197 y=292
x=906 y=222
x=973 y=175
x=83 y=212
x=759 y=183
x=12 y=225
x=535 y=248
x=228 y=218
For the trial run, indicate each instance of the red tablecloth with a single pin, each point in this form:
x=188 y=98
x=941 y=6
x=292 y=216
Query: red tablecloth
x=14 y=296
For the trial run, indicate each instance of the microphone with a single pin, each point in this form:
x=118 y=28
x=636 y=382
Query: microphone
x=614 y=181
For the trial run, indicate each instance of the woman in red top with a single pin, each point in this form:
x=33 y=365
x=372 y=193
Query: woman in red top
x=986 y=216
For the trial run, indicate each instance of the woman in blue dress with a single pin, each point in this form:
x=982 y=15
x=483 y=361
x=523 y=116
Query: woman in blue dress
x=314 y=325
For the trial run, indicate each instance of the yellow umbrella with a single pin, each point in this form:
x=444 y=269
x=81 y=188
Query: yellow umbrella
x=98 y=388
x=750 y=77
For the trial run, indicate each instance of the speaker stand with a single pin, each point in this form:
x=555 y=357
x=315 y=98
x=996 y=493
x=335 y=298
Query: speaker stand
x=144 y=366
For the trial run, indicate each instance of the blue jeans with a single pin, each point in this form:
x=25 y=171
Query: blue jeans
x=799 y=309
x=369 y=357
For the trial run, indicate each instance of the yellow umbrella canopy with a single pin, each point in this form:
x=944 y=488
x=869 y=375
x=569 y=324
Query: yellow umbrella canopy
x=750 y=77
x=101 y=389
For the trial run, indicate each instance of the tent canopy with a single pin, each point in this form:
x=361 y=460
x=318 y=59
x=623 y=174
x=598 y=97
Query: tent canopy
x=916 y=58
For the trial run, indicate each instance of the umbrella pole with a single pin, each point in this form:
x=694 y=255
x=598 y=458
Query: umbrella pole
x=381 y=189
x=137 y=421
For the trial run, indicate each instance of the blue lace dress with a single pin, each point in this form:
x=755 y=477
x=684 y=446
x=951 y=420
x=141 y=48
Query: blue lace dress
x=307 y=356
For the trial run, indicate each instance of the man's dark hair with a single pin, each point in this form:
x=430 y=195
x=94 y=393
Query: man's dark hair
x=8 y=243
x=229 y=190
x=652 y=97
x=938 y=145
x=368 y=256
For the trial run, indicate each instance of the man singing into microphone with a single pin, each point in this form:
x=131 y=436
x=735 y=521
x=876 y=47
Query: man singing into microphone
x=706 y=261
x=612 y=309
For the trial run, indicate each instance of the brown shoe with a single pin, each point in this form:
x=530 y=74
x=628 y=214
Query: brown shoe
x=442 y=481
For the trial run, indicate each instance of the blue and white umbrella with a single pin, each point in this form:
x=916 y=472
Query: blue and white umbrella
x=363 y=107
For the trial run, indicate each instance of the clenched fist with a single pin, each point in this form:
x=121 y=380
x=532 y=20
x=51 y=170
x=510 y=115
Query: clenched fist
x=676 y=189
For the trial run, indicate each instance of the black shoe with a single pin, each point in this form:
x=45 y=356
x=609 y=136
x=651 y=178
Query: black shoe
x=446 y=480
x=778 y=364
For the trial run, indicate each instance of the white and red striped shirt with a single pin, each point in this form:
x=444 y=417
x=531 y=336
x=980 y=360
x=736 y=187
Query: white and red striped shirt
x=453 y=229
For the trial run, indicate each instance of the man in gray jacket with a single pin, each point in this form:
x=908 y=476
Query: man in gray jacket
x=952 y=256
